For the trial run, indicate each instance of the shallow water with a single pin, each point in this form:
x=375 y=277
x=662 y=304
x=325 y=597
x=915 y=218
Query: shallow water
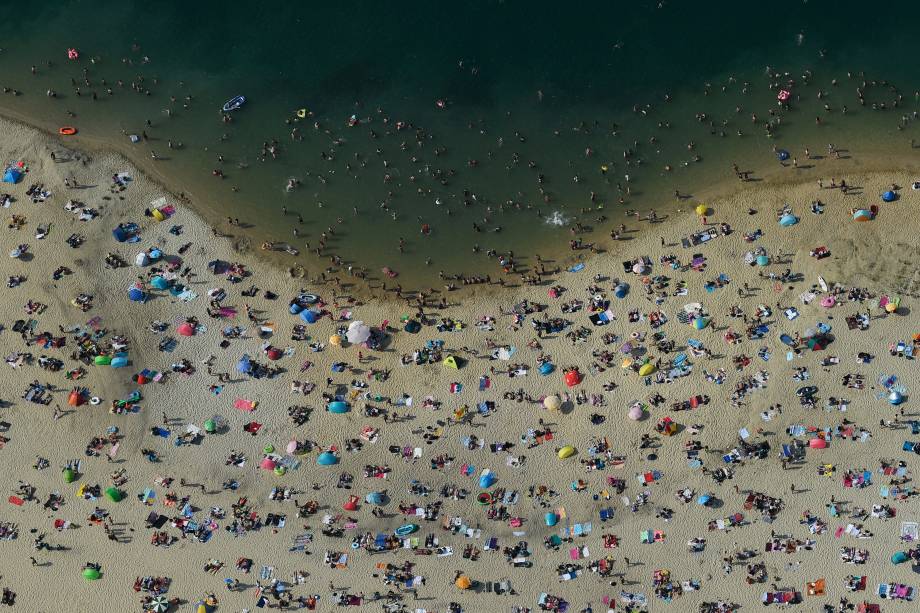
x=523 y=82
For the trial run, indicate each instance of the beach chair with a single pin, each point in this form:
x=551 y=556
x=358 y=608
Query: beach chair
x=882 y=590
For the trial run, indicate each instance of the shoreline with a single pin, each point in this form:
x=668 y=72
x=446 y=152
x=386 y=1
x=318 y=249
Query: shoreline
x=778 y=178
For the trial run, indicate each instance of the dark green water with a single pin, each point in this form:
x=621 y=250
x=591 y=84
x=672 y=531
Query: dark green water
x=525 y=84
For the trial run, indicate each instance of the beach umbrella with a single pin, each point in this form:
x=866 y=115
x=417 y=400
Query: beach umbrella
x=113 y=494
x=291 y=447
x=136 y=294
x=572 y=378
x=862 y=215
x=566 y=452
x=358 y=332
x=268 y=464
x=91 y=574
x=763 y=260
x=69 y=475
x=337 y=406
x=210 y=426
x=375 y=498
x=327 y=458
x=335 y=340
x=308 y=316
x=703 y=499
x=159 y=604
x=626 y=348
x=788 y=220
x=159 y=282
x=546 y=368
x=889 y=196
x=635 y=412
x=273 y=353
x=463 y=582
x=700 y=322
x=412 y=326
x=352 y=504
x=186 y=329
x=646 y=369
x=551 y=519
x=817 y=443
x=245 y=364
x=701 y=209
x=895 y=398
x=899 y=557
x=552 y=402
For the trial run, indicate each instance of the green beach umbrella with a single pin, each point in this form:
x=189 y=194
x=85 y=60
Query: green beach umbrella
x=69 y=475
x=91 y=574
x=210 y=427
x=113 y=494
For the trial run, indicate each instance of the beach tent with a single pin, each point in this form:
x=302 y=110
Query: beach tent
x=899 y=557
x=863 y=215
x=327 y=458
x=551 y=519
x=119 y=361
x=487 y=479
x=546 y=368
x=308 y=316
x=375 y=498
x=817 y=443
x=69 y=475
x=889 y=196
x=12 y=175
x=763 y=260
x=552 y=402
x=159 y=282
x=451 y=361
x=621 y=290
x=358 y=332
x=113 y=494
x=782 y=155
x=566 y=452
x=788 y=220
x=700 y=322
x=337 y=406
x=412 y=326
x=635 y=412
x=136 y=294
x=141 y=259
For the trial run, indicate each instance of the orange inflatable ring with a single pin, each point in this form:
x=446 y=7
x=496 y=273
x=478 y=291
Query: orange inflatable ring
x=67 y=131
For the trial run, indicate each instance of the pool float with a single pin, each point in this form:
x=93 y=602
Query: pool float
x=405 y=529
x=67 y=131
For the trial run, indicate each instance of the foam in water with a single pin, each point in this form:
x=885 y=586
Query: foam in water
x=557 y=219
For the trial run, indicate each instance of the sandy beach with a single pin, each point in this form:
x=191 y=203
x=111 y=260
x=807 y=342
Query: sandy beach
x=737 y=396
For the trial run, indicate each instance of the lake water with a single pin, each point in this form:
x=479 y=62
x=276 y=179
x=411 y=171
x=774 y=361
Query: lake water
x=537 y=97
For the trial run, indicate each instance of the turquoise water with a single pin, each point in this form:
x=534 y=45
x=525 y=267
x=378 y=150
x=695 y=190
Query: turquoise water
x=524 y=84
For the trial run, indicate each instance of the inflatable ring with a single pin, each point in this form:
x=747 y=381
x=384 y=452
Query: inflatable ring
x=67 y=131
x=484 y=499
x=95 y=400
x=267 y=246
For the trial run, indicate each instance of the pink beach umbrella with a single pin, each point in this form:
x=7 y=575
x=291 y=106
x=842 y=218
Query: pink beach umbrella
x=291 y=447
x=268 y=464
x=635 y=412
x=186 y=329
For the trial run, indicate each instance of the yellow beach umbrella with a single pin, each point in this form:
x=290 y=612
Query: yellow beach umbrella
x=701 y=209
x=336 y=340
x=646 y=369
x=552 y=402
x=463 y=582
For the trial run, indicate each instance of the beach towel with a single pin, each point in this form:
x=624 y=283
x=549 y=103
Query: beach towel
x=245 y=405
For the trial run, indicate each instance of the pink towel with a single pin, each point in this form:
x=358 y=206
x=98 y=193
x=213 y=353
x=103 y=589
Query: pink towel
x=244 y=405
